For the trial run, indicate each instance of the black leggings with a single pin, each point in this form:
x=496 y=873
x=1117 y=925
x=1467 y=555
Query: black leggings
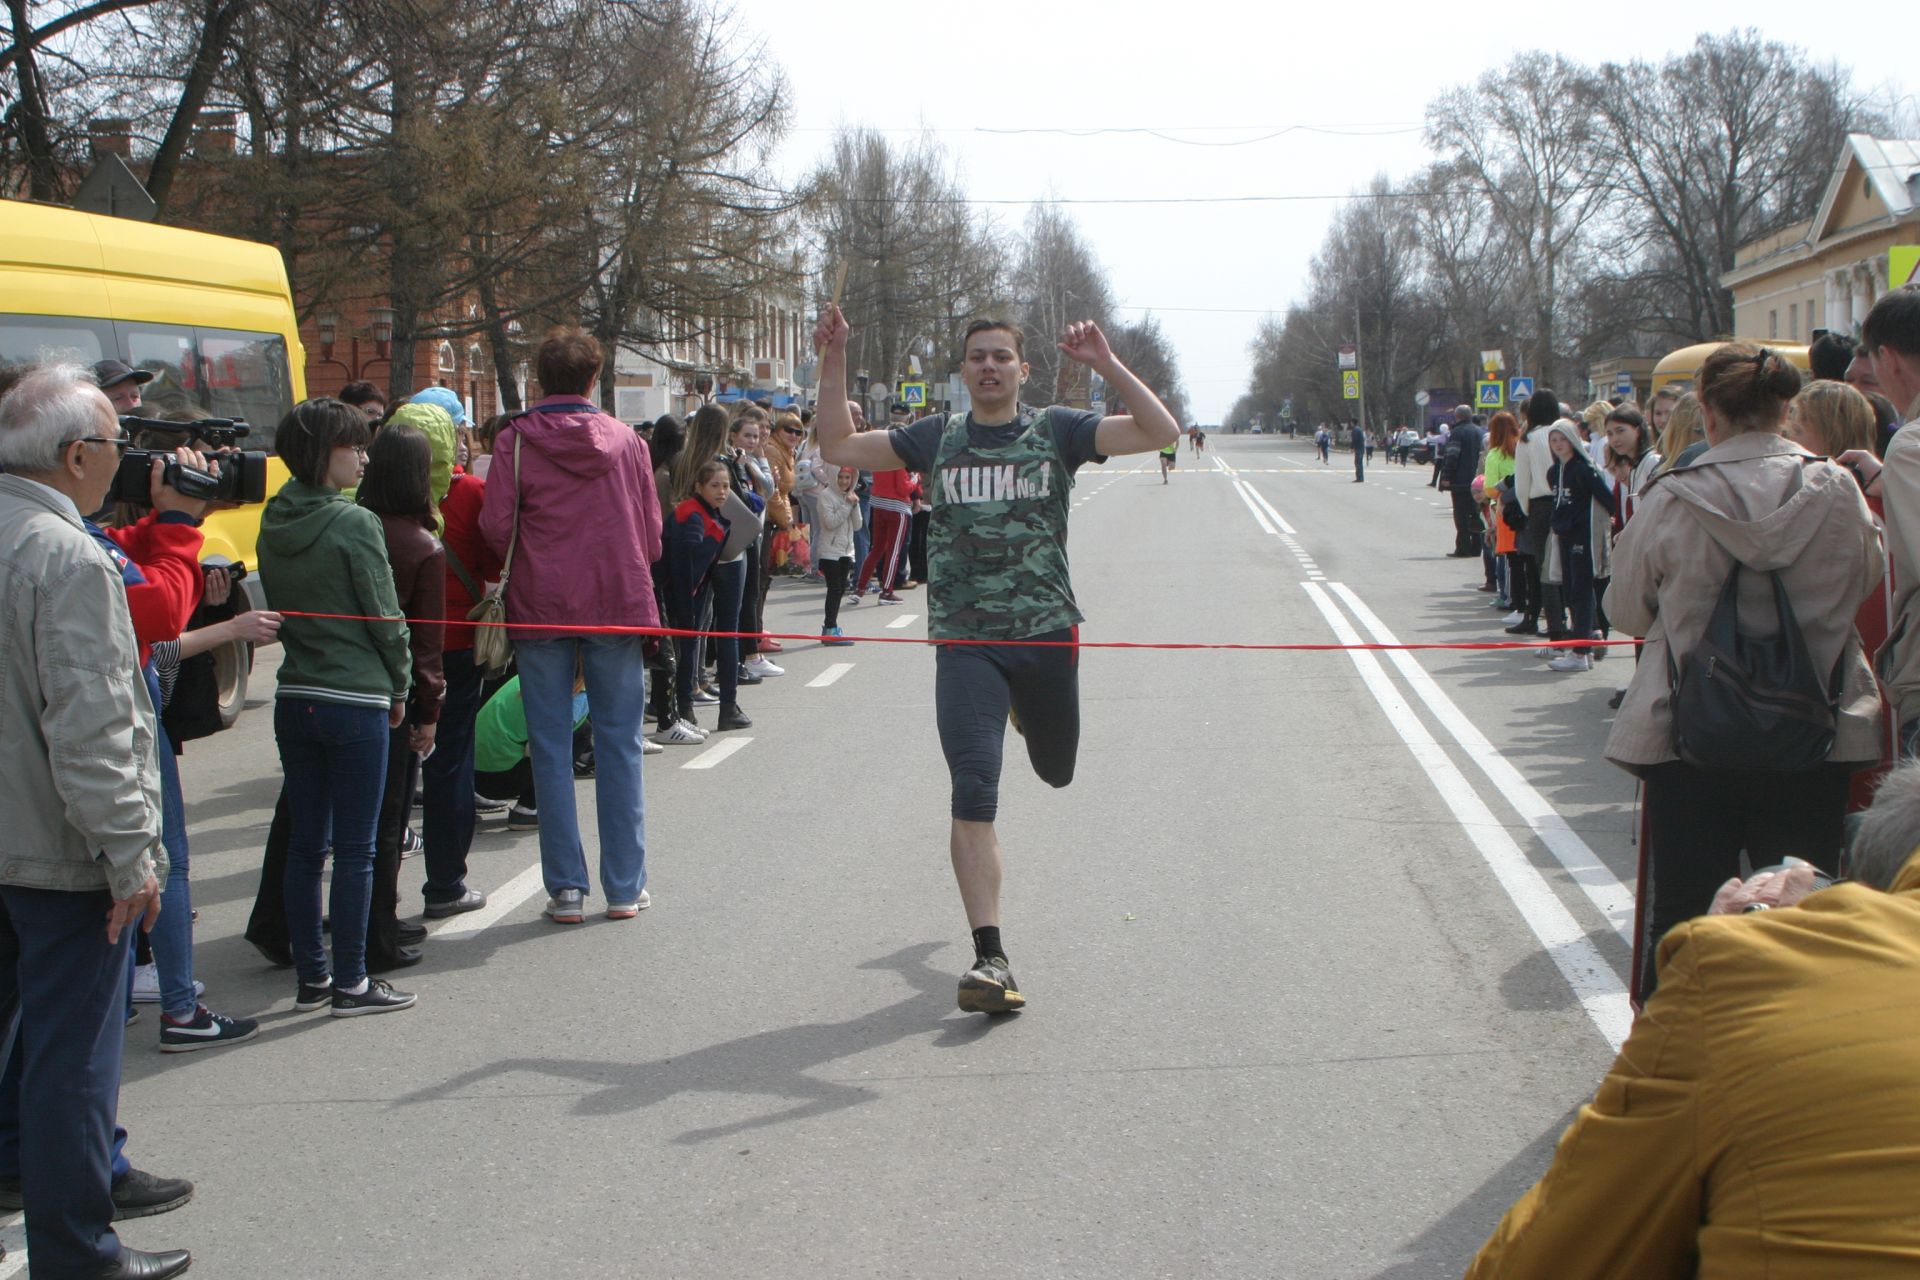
x=975 y=686
x=836 y=572
x=1699 y=821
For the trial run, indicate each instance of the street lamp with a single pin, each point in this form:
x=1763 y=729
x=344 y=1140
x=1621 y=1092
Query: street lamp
x=327 y=325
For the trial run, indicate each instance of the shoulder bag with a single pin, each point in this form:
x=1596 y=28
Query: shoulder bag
x=492 y=649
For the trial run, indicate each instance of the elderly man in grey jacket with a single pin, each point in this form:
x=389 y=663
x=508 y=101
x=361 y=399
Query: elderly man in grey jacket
x=80 y=857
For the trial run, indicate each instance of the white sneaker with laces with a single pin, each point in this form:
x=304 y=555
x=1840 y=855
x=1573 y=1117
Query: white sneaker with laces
x=681 y=734
x=648 y=747
x=146 y=985
x=1571 y=662
x=1513 y=619
x=759 y=665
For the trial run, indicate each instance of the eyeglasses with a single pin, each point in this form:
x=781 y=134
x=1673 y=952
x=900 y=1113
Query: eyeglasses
x=792 y=431
x=119 y=442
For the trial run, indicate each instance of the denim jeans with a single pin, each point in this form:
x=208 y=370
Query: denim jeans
x=447 y=814
x=335 y=759
x=615 y=668
x=172 y=935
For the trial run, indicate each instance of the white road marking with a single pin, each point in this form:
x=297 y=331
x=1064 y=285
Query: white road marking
x=715 y=754
x=1612 y=898
x=1268 y=508
x=831 y=674
x=500 y=903
x=1594 y=983
x=1241 y=489
x=904 y=620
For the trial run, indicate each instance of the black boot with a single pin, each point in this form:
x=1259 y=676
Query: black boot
x=732 y=717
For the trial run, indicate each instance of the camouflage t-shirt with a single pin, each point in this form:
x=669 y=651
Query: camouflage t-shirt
x=998 y=540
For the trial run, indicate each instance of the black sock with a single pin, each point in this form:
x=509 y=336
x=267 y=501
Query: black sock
x=986 y=942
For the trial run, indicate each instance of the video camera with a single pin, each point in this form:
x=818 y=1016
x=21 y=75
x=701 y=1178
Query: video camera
x=234 y=476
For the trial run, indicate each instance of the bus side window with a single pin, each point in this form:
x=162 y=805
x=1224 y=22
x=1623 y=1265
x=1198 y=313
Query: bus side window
x=245 y=375
x=30 y=340
x=165 y=351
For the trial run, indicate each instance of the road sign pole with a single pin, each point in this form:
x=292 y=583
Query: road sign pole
x=1357 y=365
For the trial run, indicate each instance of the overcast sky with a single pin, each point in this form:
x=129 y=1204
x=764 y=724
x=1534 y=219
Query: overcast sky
x=1297 y=101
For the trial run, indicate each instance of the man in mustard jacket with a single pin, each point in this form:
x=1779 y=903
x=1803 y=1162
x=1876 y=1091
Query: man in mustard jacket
x=1761 y=1119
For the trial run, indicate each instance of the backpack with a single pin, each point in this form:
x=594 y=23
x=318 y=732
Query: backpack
x=1742 y=702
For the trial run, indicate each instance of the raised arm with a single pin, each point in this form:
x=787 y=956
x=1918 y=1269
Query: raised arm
x=839 y=443
x=1149 y=426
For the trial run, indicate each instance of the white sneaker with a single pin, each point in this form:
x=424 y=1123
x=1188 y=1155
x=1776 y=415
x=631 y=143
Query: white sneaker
x=681 y=734
x=1571 y=662
x=849 y=600
x=759 y=665
x=648 y=747
x=1513 y=619
x=146 y=985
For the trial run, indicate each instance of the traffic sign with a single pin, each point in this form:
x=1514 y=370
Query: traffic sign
x=1519 y=389
x=1422 y=398
x=1350 y=384
x=1349 y=356
x=1623 y=383
x=914 y=394
x=1486 y=395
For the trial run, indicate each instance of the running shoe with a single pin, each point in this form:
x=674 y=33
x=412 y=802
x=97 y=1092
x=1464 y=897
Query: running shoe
x=567 y=907
x=681 y=734
x=204 y=1030
x=379 y=997
x=887 y=597
x=759 y=666
x=471 y=900
x=988 y=987
x=1513 y=619
x=411 y=845
x=849 y=600
x=628 y=910
x=831 y=638
x=1571 y=662
x=648 y=747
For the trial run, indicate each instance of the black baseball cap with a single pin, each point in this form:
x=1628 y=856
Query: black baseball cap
x=111 y=373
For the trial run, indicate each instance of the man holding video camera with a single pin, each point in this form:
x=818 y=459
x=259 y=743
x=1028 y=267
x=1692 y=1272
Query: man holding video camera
x=82 y=858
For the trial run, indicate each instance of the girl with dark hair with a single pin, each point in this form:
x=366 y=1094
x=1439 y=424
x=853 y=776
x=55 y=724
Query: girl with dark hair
x=1581 y=500
x=398 y=489
x=695 y=535
x=343 y=685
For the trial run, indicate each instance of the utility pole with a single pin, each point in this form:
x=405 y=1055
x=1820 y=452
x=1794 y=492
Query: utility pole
x=1359 y=362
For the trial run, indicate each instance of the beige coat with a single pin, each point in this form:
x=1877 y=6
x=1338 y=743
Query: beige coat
x=1752 y=497
x=1900 y=500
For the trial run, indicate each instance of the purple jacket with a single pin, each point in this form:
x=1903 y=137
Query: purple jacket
x=589 y=521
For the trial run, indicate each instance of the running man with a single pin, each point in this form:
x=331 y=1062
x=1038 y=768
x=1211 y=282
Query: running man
x=1169 y=459
x=999 y=481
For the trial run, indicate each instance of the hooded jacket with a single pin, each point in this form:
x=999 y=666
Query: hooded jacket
x=589 y=519
x=433 y=422
x=319 y=553
x=1758 y=498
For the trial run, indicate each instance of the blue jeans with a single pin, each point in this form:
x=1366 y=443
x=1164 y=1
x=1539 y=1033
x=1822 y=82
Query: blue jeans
x=335 y=759
x=616 y=672
x=446 y=782
x=63 y=991
x=172 y=935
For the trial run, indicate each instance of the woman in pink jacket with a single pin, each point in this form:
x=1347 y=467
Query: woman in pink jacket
x=589 y=530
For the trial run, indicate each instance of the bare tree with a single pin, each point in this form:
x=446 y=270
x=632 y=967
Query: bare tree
x=1057 y=281
x=1731 y=140
x=1142 y=345
x=1526 y=135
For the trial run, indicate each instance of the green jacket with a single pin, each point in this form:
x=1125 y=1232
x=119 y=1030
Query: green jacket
x=500 y=734
x=319 y=553
x=1499 y=466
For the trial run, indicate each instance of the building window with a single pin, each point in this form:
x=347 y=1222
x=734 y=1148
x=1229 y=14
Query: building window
x=1773 y=324
x=1793 y=321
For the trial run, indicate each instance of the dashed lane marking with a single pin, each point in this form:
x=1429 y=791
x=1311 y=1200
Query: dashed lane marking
x=713 y=755
x=831 y=674
x=904 y=620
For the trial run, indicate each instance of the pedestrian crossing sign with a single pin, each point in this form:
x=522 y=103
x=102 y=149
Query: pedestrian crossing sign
x=1486 y=395
x=1519 y=389
x=914 y=394
x=1350 y=384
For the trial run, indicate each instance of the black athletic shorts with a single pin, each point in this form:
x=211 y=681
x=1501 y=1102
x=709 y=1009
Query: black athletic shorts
x=974 y=688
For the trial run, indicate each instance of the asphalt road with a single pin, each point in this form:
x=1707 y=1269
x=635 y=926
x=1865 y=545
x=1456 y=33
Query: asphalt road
x=1322 y=949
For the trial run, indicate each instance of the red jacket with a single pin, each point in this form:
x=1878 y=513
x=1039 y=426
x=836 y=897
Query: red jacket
x=460 y=512
x=166 y=547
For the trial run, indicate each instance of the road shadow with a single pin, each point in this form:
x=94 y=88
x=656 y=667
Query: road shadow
x=772 y=1063
x=1446 y=1247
